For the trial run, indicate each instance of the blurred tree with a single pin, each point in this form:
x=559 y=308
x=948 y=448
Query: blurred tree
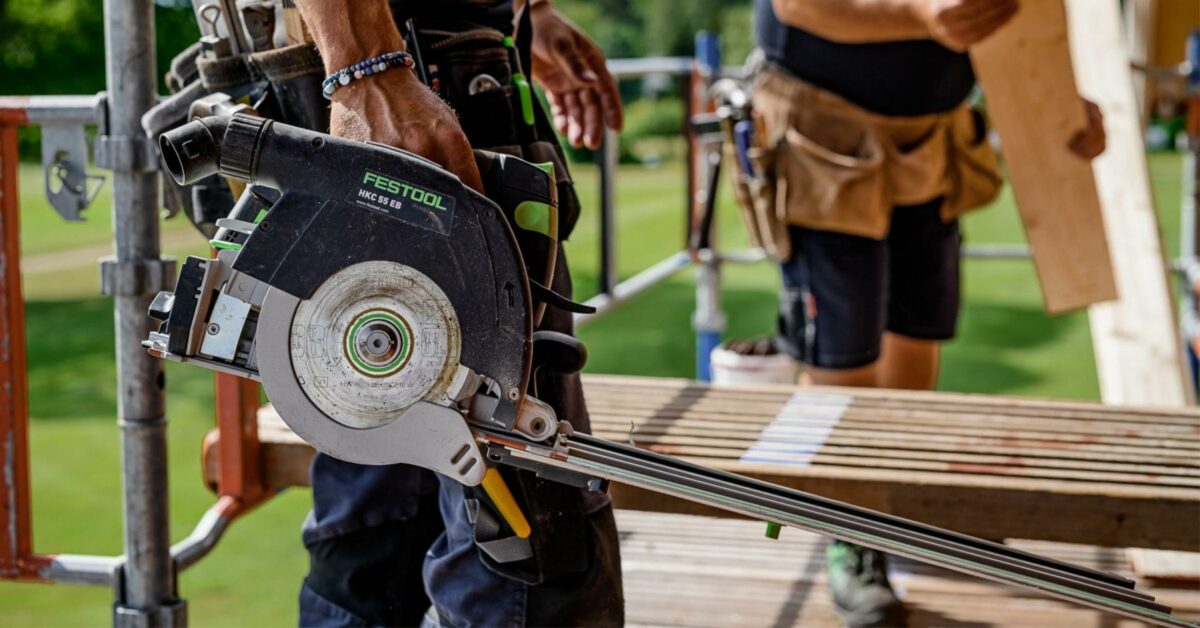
x=57 y=46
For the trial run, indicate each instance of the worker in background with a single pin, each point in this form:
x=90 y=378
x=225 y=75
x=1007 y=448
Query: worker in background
x=874 y=153
x=387 y=543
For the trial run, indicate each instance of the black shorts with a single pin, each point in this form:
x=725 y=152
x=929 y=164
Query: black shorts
x=841 y=292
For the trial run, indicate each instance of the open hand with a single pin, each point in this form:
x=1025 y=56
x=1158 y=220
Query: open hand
x=396 y=109
x=960 y=24
x=570 y=67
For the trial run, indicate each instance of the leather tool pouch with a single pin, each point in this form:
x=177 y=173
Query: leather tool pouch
x=292 y=76
x=840 y=168
x=475 y=76
x=762 y=212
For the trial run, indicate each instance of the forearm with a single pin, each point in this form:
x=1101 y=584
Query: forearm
x=854 y=21
x=348 y=31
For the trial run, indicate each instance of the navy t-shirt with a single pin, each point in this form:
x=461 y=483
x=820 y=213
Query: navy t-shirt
x=901 y=78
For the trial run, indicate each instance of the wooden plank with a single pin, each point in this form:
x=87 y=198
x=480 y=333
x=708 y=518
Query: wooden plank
x=995 y=513
x=684 y=388
x=988 y=466
x=1163 y=565
x=700 y=571
x=1026 y=73
x=1139 y=356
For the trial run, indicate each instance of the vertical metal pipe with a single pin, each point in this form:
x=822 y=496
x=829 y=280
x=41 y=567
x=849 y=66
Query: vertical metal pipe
x=148 y=579
x=608 y=217
x=690 y=80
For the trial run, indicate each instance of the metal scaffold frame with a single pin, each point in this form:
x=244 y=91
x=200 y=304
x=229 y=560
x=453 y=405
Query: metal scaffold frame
x=144 y=578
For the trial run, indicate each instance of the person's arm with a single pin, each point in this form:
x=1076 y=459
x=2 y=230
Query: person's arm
x=392 y=107
x=956 y=24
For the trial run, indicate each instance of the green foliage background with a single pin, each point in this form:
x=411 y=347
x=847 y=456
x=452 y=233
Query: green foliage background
x=56 y=46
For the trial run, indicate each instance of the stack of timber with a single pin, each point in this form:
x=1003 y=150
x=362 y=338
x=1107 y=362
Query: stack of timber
x=683 y=570
x=988 y=466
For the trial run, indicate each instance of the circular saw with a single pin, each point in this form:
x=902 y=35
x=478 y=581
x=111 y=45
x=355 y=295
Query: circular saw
x=379 y=300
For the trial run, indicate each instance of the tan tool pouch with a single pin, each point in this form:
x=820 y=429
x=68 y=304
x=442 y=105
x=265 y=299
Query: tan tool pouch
x=837 y=167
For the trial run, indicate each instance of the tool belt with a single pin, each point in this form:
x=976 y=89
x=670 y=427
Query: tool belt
x=825 y=163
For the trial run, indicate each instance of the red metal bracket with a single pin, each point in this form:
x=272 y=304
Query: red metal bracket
x=239 y=460
x=17 y=560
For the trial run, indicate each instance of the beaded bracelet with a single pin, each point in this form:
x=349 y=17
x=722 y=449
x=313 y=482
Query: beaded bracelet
x=374 y=65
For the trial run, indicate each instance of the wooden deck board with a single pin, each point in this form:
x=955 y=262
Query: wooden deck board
x=988 y=466
x=699 y=571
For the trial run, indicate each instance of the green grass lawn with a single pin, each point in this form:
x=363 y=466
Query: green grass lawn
x=1006 y=345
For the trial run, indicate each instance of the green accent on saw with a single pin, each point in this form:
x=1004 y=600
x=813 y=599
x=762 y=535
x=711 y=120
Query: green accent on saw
x=526 y=94
x=402 y=354
x=537 y=217
x=262 y=213
x=773 y=530
x=548 y=168
x=225 y=246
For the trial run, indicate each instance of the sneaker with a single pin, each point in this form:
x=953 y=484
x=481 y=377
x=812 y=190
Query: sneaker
x=862 y=595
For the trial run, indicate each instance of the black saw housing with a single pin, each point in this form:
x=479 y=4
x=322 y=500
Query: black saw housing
x=343 y=202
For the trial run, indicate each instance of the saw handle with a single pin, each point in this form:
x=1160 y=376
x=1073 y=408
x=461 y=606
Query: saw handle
x=497 y=490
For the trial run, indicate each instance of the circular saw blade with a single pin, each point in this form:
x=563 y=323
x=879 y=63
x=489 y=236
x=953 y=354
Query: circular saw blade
x=374 y=339
x=343 y=318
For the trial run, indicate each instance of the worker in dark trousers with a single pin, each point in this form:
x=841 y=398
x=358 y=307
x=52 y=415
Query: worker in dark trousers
x=872 y=154
x=396 y=545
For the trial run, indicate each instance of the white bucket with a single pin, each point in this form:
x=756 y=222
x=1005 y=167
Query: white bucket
x=729 y=367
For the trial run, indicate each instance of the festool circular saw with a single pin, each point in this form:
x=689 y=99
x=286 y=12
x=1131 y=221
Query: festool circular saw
x=389 y=312
x=379 y=301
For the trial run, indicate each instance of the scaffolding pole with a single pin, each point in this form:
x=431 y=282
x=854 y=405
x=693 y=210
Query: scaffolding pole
x=145 y=593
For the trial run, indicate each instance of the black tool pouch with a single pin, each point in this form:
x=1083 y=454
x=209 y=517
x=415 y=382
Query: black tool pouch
x=291 y=77
x=473 y=71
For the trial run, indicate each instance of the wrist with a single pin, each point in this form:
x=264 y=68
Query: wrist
x=392 y=85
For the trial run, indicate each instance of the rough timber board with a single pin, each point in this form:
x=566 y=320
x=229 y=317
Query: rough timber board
x=1139 y=356
x=699 y=571
x=1027 y=76
x=989 y=466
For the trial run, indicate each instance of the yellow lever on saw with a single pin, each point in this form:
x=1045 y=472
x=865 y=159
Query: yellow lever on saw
x=497 y=490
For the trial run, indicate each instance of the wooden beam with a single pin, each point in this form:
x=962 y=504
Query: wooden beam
x=1141 y=17
x=1139 y=356
x=988 y=466
x=1026 y=73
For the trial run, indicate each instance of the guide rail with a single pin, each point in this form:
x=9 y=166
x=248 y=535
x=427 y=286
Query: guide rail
x=593 y=457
